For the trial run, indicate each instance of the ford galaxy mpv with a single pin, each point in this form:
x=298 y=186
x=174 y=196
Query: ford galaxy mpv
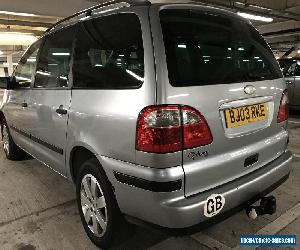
x=168 y=113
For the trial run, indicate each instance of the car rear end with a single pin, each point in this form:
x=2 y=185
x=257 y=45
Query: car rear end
x=219 y=124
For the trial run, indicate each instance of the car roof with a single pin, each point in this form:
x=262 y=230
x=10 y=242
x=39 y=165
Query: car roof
x=117 y=4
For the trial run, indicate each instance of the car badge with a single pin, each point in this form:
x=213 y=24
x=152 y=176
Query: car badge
x=249 y=90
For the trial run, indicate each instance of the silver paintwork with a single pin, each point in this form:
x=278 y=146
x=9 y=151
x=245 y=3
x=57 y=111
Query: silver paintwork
x=227 y=143
x=104 y=122
x=296 y=97
x=293 y=86
x=228 y=166
x=111 y=115
x=93 y=205
x=47 y=125
x=16 y=114
x=174 y=209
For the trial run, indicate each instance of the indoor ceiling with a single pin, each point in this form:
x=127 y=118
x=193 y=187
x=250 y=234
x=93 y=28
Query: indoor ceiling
x=283 y=33
x=42 y=15
x=59 y=8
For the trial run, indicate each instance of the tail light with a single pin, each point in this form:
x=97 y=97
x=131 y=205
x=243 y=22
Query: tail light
x=283 y=111
x=171 y=128
x=196 y=131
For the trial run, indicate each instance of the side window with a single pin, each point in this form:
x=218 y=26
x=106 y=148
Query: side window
x=109 y=53
x=25 y=70
x=54 y=60
x=290 y=70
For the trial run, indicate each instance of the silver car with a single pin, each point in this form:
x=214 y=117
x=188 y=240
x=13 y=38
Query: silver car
x=291 y=72
x=169 y=113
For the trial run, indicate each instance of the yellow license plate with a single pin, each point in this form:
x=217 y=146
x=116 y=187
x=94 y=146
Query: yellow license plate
x=244 y=115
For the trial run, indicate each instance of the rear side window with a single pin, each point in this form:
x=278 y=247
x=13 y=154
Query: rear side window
x=54 y=61
x=205 y=49
x=109 y=53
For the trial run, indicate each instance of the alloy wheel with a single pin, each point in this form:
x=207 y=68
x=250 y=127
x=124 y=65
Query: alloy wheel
x=93 y=205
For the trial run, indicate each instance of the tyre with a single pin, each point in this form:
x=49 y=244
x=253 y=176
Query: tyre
x=97 y=206
x=11 y=150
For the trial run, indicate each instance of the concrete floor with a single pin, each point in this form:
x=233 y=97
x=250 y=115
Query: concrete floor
x=38 y=211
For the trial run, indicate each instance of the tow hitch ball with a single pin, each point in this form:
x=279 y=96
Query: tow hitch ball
x=267 y=206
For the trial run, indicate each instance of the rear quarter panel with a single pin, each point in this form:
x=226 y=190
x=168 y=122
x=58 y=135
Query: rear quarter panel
x=104 y=121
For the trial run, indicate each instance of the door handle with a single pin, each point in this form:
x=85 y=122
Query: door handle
x=24 y=104
x=61 y=111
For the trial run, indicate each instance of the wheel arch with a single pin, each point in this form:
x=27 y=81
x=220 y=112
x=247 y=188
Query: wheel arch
x=78 y=155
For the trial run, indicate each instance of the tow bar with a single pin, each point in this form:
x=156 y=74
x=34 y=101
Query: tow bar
x=267 y=206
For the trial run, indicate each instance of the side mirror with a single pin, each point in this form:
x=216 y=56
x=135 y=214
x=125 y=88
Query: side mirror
x=4 y=82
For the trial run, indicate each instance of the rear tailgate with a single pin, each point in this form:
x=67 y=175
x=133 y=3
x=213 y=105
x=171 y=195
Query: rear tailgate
x=219 y=64
x=237 y=151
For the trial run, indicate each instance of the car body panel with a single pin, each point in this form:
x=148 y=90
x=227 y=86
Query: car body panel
x=48 y=128
x=290 y=84
x=173 y=209
x=110 y=130
x=291 y=71
x=216 y=164
x=16 y=115
x=296 y=95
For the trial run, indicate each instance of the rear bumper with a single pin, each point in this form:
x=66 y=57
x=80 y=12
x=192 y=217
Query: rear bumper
x=171 y=208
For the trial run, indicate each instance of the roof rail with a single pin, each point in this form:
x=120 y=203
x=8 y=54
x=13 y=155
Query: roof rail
x=88 y=11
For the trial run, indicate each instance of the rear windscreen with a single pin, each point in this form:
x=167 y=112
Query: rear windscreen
x=204 y=48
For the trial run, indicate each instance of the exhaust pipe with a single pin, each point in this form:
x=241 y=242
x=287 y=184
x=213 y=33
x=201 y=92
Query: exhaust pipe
x=267 y=206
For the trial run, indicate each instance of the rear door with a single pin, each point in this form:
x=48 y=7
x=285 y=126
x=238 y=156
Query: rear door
x=221 y=66
x=50 y=99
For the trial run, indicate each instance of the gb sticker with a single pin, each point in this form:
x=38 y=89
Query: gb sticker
x=213 y=205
